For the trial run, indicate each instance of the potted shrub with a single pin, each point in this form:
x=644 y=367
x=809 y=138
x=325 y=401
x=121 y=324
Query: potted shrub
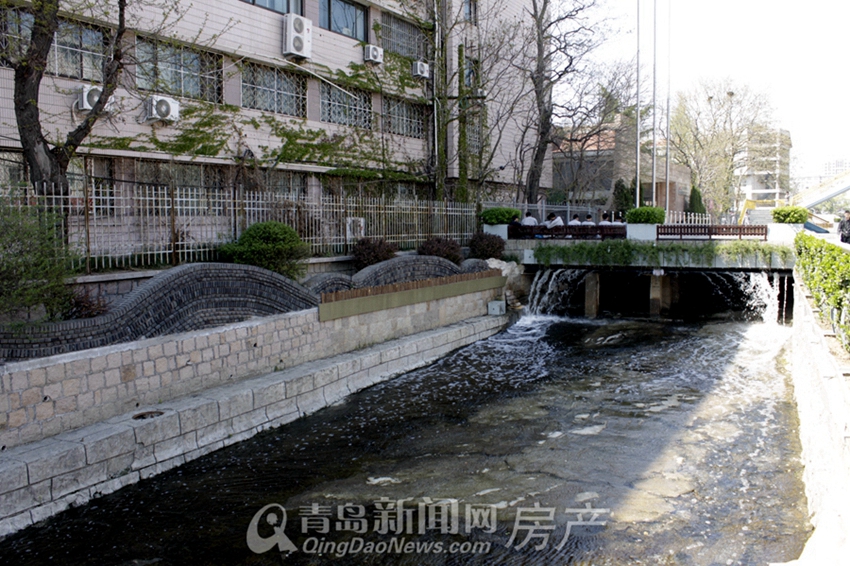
x=496 y=220
x=788 y=220
x=641 y=222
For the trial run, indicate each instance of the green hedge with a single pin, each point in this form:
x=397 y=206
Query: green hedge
x=499 y=215
x=825 y=270
x=790 y=215
x=645 y=215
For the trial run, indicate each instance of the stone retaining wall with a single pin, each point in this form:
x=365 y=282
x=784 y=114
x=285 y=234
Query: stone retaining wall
x=41 y=479
x=47 y=396
x=822 y=393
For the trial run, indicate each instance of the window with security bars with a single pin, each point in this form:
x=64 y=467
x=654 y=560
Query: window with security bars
x=15 y=31
x=178 y=71
x=287 y=182
x=12 y=171
x=196 y=187
x=90 y=184
x=402 y=37
x=274 y=90
x=405 y=118
x=78 y=50
x=350 y=107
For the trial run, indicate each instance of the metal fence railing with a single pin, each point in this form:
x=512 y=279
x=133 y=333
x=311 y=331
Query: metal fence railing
x=679 y=217
x=123 y=224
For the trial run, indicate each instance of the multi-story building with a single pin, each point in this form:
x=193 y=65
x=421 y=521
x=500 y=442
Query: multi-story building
x=586 y=171
x=764 y=173
x=302 y=96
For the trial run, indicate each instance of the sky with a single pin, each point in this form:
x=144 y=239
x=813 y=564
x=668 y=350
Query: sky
x=796 y=53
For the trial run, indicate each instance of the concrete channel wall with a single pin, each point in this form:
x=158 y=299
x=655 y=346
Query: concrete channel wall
x=233 y=387
x=822 y=392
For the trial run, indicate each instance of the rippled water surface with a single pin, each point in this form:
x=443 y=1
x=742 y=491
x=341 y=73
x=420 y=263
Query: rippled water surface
x=653 y=443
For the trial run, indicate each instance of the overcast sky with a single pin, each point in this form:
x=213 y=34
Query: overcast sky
x=794 y=52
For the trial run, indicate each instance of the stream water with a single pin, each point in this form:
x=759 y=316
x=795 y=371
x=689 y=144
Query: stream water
x=559 y=441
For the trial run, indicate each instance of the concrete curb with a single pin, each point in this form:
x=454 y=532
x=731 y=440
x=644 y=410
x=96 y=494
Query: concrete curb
x=41 y=479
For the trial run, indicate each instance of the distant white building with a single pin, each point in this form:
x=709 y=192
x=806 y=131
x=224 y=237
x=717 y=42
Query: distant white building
x=765 y=170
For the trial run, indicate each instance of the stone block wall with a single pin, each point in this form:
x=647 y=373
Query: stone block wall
x=40 y=479
x=44 y=397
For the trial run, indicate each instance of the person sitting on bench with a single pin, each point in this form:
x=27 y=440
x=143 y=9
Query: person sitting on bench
x=552 y=221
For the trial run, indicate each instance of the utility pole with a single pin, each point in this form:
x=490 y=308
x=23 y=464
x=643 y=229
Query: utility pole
x=654 y=91
x=637 y=116
x=667 y=134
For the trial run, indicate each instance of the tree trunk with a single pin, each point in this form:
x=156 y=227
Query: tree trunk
x=48 y=165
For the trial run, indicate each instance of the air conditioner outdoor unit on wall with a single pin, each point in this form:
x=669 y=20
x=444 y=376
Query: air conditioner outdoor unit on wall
x=87 y=98
x=373 y=54
x=421 y=70
x=297 y=36
x=161 y=108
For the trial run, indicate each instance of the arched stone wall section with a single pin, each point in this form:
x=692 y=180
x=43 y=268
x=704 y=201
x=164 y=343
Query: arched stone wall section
x=405 y=268
x=329 y=283
x=188 y=297
x=474 y=265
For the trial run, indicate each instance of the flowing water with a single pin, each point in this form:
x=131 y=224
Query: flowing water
x=559 y=441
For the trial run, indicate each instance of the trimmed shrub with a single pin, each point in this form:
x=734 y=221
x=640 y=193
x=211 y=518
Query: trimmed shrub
x=270 y=245
x=486 y=246
x=499 y=215
x=695 y=203
x=368 y=252
x=645 y=215
x=624 y=196
x=442 y=247
x=790 y=215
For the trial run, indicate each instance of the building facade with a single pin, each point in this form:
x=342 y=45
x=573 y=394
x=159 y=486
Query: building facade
x=300 y=96
x=765 y=173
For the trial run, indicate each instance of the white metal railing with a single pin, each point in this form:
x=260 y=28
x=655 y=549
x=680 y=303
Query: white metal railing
x=679 y=217
x=123 y=224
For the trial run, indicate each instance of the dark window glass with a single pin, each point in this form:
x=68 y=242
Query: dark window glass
x=343 y=17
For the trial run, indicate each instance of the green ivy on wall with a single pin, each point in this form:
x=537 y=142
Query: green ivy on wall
x=630 y=252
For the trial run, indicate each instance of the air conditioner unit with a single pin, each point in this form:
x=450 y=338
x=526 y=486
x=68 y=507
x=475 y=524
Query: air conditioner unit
x=421 y=70
x=88 y=96
x=297 y=36
x=373 y=54
x=161 y=108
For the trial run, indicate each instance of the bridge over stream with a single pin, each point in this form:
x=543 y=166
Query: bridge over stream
x=660 y=270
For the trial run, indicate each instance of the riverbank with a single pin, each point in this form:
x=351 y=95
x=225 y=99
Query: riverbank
x=41 y=479
x=821 y=377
